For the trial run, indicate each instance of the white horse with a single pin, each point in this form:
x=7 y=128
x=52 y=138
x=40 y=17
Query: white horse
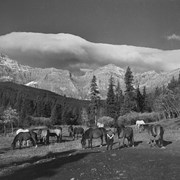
x=100 y=125
x=139 y=122
x=23 y=130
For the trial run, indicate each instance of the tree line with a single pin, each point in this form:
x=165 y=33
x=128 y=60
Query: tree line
x=163 y=100
x=23 y=106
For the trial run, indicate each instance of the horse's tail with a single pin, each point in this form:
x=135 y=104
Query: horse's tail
x=132 y=138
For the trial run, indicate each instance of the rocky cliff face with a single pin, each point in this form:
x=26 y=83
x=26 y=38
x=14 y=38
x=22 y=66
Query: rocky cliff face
x=64 y=82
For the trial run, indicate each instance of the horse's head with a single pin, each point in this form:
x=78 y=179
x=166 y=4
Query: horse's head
x=141 y=128
x=12 y=145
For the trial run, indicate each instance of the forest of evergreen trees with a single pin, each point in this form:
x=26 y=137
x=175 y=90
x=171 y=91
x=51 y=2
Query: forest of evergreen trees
x=40 y=107
x=31 y=103
x=164 y=101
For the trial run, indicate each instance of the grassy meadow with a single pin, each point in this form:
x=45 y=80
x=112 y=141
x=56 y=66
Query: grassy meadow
x=19 y=158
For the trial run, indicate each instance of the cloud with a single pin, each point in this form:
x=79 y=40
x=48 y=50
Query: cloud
x=173 y=37
x=71 y=52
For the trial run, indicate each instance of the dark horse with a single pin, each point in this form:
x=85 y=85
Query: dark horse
x=24 y=136
x=93 y=133
x=125 y=133
x=155 y=132
x=56 y=132
x=77 y=131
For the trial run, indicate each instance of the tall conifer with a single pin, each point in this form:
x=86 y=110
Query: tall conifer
x=95 y=99
x=129 y=96
x=110 y=101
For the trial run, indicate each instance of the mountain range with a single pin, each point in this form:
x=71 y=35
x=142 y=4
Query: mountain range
x=64 y=82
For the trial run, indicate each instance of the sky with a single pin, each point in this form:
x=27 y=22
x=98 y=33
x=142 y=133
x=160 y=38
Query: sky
x=141 y=23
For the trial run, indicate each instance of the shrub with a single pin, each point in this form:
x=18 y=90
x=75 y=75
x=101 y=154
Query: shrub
x=132 y=117
x=106 y=120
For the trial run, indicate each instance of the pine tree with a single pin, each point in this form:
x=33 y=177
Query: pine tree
x=139 y=100
x=129 y=96
x=56 y=114
x=95 y=100
x=110 y=101
x=84 y=116
x=179 y=79
x=145 y=105
x=118 y=99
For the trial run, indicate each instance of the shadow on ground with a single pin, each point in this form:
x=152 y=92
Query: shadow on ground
x=4 y=150
x=166 y=143
x=45 y=169
x=38 y=158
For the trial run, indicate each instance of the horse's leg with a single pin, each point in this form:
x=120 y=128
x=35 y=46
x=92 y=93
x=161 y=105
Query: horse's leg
x=111 y=144
x=33 y=141
x=123 y=141
x=88 y=143
x=132 y=141
x=91 y=142
x=58 y=138
x=20 y=143
x=101 y=141
x=107 y=146
x=119 y=143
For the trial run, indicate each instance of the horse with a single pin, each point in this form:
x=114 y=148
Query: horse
x=155 y=132
x=70 y=131
x=24 y=136
x=139 y=122
x=43 y=135
x=125 y=133
x=93 y=133
x=110 y=139
x=23 y=130
x=77 y=131
x=56 y=132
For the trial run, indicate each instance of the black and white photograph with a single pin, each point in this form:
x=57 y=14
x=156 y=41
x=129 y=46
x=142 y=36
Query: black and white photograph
x=89 y=89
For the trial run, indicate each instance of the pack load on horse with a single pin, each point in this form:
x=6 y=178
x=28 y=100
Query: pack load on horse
x=24 y=136
x=155 y=132
x=110 y=139
x=21 y=130
x=100 y=124
x=93 y=133
x=125 y=133
x=139 y=122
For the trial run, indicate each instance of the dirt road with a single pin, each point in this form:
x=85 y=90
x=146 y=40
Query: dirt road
x=139 y=163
